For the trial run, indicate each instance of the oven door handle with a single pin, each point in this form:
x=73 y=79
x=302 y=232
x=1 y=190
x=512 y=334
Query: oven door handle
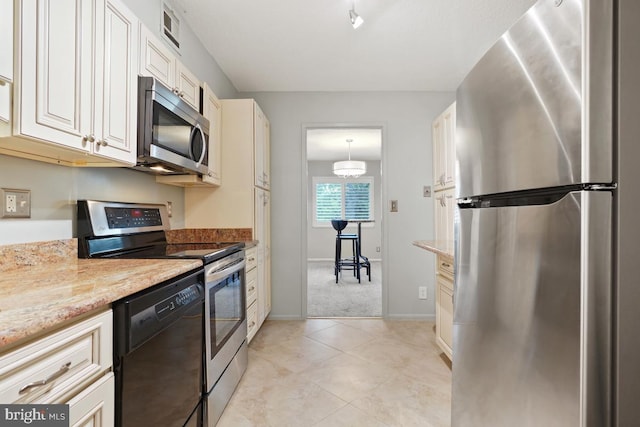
x=216 y=273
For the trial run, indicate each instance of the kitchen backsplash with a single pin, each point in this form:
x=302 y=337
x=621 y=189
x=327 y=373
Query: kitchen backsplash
x=204 y=235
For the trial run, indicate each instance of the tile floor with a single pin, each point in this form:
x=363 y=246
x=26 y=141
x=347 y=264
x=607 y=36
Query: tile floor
x=343 y=372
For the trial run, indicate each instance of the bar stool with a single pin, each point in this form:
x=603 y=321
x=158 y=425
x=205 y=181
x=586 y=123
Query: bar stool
x=352 y=263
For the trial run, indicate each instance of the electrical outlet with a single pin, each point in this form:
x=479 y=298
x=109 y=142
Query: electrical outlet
x=394 y=206
x=426 y=191
x=15 y=203
x=422 y=292
x=377 y=248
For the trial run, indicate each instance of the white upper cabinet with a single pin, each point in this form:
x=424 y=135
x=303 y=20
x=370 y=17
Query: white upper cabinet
x=6 y=40
x=78 y=84
x=120 y=104
x=444 y=149
x=157 y=60
x=261 y=149
x=212 y=110
x=445 y=204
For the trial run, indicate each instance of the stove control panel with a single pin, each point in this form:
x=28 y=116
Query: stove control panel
x=132 y=217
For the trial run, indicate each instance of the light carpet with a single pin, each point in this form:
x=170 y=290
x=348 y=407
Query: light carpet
x=347 y=298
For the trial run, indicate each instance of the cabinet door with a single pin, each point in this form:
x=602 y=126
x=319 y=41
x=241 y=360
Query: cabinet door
x=444 y=214
x=267 y=252
x=212 y=110
x=187 y=86
x=444 y=155
x=258 y=146
x=266 y=155
x=449 y=127
x=6 y=40
x=444 y=315
x=94 y=406
x=156 y=59
x=57 y=97
x=119 y=107
x=5 y=108
x=259 y=235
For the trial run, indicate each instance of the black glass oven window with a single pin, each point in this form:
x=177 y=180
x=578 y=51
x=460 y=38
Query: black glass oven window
x=171 y=131
x=226 y=299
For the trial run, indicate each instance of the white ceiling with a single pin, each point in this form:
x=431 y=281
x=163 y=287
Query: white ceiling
x=310 y=45
x=331 y=144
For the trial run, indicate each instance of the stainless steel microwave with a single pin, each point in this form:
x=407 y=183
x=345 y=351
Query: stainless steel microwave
x=173 y=138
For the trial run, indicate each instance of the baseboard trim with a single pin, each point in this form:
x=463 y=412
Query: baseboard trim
x=331 y=259
x=425 y=317
x=422 y=317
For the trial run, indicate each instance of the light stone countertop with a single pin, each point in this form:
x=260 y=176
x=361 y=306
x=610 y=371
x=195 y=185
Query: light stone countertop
x=440 y=247
x=38 y=294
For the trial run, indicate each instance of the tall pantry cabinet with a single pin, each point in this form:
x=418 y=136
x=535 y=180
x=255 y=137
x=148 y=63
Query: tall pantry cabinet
x=443 y=133
x=243 y=199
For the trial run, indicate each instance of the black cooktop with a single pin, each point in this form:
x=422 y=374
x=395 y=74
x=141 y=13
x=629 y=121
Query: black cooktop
x=135 y=230
x=208 y=252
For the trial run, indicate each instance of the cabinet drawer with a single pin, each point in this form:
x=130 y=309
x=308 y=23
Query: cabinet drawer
x=445 y=266
x=252 y=258
x=94 y=406
x=252 y=286
x=252 y=321
x=67 y=361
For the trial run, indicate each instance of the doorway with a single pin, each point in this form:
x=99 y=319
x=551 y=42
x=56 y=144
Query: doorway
x=330 y=196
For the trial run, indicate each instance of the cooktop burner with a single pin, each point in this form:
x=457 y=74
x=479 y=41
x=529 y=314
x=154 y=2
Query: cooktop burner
x=130 y=230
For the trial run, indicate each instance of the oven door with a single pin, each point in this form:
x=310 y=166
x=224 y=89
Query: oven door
x=225 y=311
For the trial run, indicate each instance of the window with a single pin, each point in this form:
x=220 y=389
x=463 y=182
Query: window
x=335 y=198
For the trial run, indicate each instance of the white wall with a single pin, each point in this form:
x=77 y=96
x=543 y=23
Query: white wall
x=406 y=120
x=55 y=189
x=192 y=53
x=321 y=240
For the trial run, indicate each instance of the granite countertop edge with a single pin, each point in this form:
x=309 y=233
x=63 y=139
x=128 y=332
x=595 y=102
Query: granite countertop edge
x=440 y=247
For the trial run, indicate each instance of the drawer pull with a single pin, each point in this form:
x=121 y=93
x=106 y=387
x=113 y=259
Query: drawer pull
x=252 y=324
x=251 y=259
x=63 y=369
x=444 y=264
x=252 y=289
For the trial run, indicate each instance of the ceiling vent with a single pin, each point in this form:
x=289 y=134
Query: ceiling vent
x=170 y=25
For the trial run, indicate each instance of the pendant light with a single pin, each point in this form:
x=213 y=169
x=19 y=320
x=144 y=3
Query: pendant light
x=349 y=168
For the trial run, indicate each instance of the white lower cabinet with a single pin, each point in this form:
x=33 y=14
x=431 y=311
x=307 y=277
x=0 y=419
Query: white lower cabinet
x=251 y=278
x=71 y=365
x=444 y=315
x=94 y=406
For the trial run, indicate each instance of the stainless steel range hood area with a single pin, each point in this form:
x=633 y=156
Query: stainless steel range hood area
x=173 y=138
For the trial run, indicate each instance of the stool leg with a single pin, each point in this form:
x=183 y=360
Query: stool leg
x=358 y=259
x=336 y=267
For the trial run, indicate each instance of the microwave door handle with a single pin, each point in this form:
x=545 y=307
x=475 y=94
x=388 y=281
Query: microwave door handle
x=195 y=129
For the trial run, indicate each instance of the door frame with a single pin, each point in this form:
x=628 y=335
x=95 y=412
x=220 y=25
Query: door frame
x=305 y=218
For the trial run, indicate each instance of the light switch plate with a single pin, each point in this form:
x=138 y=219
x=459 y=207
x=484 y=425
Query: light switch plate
x=426 y=191
x=394 y=206
x=15 y=203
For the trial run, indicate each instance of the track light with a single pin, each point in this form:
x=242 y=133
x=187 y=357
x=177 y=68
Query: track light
x=356 y=20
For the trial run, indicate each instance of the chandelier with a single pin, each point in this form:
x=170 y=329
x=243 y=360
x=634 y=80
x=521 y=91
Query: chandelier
x=349 y=168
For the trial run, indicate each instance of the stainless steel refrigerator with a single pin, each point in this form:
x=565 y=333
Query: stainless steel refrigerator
x=543 y=333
